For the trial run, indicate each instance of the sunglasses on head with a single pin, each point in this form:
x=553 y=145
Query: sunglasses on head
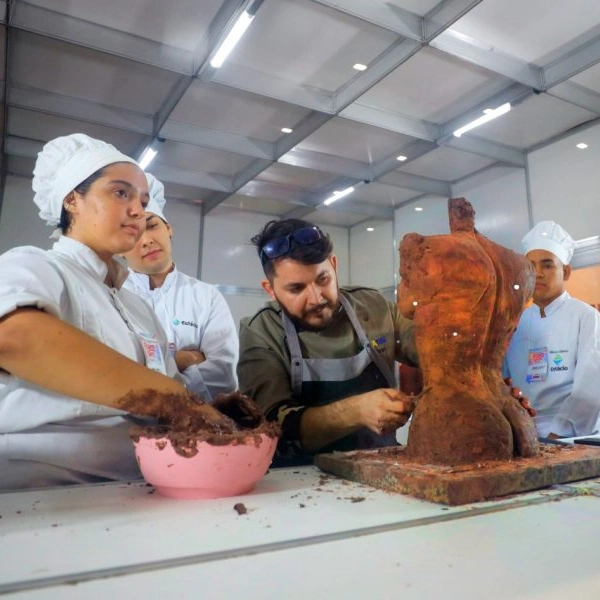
x=305 y=236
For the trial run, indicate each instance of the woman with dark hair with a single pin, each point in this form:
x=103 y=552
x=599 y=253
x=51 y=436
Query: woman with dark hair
x=78 y=352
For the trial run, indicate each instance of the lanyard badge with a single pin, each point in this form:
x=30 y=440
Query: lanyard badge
x=153 y=353
x=537 y=367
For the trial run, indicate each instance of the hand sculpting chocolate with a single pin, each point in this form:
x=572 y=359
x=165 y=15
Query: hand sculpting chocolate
x=179 y=411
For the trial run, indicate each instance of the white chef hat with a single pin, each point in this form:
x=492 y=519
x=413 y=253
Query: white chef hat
x=63 y=164
x=157 y=197
x=550 y=236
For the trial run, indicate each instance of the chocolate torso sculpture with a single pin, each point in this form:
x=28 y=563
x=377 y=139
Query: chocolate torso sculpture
x=465 y=294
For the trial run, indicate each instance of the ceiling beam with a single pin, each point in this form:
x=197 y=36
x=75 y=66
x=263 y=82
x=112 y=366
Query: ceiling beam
x=504 y=154
x=444 y=14
x=75 y=108
x=65 y=28
x=584 y=56
x=577 y=95
x=487 y=57
x=417 y=128
x=382 y=14
x=416 y=182
x=188 y=133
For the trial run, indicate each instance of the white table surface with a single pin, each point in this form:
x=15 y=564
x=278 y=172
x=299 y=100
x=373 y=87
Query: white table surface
x=306 y=535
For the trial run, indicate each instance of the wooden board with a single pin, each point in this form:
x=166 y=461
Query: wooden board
x=389 y=469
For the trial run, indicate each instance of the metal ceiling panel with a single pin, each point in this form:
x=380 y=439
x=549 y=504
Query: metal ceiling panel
x=309 y=45
x=138 y=71
x=407 y=91
x=528 y=30
x=538 y=117
x=353 y=140
x=447 y=164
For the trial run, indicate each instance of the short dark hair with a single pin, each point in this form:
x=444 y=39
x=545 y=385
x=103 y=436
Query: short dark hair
x=311 y=254
x=65 y=220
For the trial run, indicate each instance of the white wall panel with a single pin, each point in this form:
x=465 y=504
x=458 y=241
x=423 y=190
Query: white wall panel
x=245 y=305
x=341 y=248
x=432 y=220
x=500 y=204
x=565 y=184
x=372 y=255
x=19 y=221
x=186 y=221
x=228 y=257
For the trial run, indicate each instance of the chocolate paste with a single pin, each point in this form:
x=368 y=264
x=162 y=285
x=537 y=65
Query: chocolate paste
x=233 y=418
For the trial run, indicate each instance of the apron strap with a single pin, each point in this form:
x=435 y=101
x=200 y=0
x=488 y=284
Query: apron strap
x=362 y=336
x=296 y=354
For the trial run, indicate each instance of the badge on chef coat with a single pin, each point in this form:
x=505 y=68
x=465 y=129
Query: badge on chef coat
x=537 y=368
x=153 y=353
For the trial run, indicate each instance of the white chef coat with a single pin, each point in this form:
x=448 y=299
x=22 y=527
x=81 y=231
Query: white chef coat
x=568 y=400
x=195 y=316
x=46 y=438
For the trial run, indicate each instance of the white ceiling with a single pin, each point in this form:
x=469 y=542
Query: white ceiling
x=133 y=72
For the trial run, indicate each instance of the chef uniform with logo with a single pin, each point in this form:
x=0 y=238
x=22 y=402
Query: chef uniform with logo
x=194 y=314
x=554 y=354
x=45 y=438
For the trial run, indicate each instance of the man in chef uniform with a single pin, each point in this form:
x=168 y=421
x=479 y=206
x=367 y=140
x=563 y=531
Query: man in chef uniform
x=554 y=354
x=201 y=330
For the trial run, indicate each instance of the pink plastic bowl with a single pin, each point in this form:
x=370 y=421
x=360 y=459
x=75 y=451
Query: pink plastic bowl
x=214 y=472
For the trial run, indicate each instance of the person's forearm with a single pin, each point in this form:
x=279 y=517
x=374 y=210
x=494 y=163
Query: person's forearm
x=50 y=353
x=323 y=425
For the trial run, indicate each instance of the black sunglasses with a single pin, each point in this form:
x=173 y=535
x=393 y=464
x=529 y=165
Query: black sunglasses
x=305 y=236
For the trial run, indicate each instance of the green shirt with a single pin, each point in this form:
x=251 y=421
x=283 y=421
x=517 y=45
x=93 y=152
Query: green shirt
x=264 y=363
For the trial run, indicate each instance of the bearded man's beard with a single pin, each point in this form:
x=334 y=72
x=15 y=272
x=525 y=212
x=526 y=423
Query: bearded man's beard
x=303 y=323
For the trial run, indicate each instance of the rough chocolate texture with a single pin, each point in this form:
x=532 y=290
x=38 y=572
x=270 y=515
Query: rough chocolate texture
x=390 y=469
x=465 y=295
x=233 y=418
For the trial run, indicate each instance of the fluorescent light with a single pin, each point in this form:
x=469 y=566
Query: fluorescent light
x=401 y=158
x=370 y=228
x=147 y=157
x=418 y=208
x=337 y=195
x=286 y=130
x=490 y=113
x=233 y=37
x=582 y=146
x=359 y=67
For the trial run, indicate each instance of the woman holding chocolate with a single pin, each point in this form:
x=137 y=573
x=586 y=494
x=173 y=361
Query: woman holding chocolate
x=77 y=352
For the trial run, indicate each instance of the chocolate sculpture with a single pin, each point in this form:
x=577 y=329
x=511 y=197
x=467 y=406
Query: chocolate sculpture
x=465 y=295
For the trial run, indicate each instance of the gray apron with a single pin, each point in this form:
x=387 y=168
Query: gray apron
x=320 y=381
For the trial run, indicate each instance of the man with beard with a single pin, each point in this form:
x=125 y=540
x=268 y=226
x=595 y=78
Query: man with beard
x=319 y=359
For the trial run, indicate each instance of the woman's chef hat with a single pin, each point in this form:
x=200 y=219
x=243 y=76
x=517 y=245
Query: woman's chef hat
x=157 y=197
x=63 y=164
x=550 y=236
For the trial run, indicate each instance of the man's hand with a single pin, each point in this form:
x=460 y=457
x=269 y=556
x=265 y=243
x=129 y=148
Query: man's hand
x=516 y=393
x=187 y=358
x=381 y=411
x=384 y=410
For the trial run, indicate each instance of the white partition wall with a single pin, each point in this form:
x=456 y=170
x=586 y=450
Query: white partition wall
x=565 y=183
x=19 y=221
x=500 y=203
x=427 y=215
x=186 y=221
x=372 y=256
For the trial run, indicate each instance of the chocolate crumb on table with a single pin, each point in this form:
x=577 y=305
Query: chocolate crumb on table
x=240 y=508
